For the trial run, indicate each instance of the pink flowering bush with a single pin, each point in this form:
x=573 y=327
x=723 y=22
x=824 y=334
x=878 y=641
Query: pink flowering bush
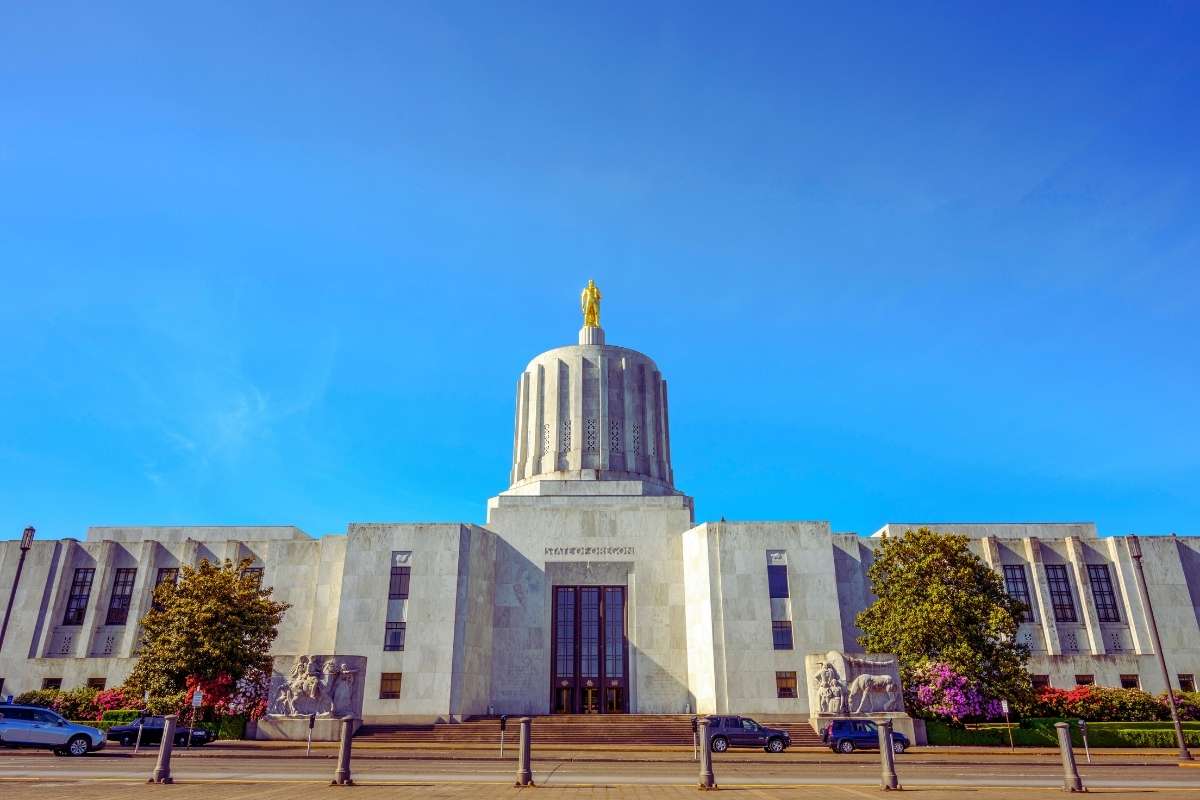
x=936 y=690
x=248 y=697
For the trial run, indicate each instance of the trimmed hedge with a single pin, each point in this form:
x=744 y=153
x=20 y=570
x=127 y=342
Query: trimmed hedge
x=120 y=715
x=1041 y=733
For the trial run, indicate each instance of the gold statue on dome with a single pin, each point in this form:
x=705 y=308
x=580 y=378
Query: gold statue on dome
x=589 y=304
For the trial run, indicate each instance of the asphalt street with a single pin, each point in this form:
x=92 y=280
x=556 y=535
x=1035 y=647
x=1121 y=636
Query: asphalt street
x=30 y=767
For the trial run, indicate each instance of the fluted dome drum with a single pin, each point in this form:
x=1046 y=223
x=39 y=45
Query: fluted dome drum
x=592 y=412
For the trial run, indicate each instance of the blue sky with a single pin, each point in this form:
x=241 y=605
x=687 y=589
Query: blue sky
x=283 y=263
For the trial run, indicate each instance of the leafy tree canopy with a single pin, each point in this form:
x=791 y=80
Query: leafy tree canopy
x=938 y=601
x=217 y=620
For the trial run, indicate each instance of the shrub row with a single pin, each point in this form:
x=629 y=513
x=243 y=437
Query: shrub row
x=1041 y=733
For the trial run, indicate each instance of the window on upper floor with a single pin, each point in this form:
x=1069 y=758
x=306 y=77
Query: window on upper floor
x=393 y=636
x=398 y=586
x=1060 y=593
x=1018 y=588
x=81 y=590
x=1102 y=593
x=122 y=593
x=781 y=634
x=785 y=684
x=166 y=575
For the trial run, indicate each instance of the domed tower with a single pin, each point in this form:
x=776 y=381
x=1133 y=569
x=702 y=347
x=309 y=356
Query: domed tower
x=590 y=413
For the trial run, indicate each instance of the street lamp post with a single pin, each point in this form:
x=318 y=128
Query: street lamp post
x=26 y=544
x=1135 y=550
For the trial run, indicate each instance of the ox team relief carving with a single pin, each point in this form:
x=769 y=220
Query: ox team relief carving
x=854 y=684
x=321 y=685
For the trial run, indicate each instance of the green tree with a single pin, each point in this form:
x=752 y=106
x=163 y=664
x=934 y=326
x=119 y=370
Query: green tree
x=217 y=620
x=938 y=601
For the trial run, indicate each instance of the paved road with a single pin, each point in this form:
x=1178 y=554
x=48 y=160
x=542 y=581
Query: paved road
x=26 y=769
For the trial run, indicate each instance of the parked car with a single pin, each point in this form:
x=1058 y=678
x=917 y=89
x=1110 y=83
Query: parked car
x=848 y=735
x=152 y=731
x=33 y=726
x=726 y=732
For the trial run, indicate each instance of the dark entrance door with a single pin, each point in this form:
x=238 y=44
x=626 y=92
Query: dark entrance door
x=590 y=660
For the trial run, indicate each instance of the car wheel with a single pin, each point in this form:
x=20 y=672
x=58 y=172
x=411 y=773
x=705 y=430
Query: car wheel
x=775 y=745
x=845 y=746
x=127 y=740
x=78 y=746
x=180 y=741
x=720 y=744
x=897 y=746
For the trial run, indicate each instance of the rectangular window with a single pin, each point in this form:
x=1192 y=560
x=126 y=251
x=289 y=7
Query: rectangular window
x=96 y=683
x=393 y=636
x=781 y=633
x=785 y=684
x=589 y=631
x=118 y=604
x=255 y=573
x=614 y=631
x=1102 y=593
x=1040 y=682
x=81 y=590
x=1187 y=682
x=1018 y=588
x=1060 y=593
x=398 y=587
x=389 y=686
x=166 y=575
x=564 y=631
x=777 y=578
x=1130 y=682
x=52 y=683
x=1085 y=680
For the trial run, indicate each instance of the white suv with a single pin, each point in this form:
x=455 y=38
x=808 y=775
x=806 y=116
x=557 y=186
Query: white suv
x=31 y=726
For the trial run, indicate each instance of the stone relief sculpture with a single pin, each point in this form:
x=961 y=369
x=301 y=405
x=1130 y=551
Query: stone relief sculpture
x=315 y=687
x=845 y=684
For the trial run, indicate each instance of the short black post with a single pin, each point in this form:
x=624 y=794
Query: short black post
x=162 y=770
x=524 y=770
x=1071 y=781
x=341 y=776
x=707 y=779
x=887 y=757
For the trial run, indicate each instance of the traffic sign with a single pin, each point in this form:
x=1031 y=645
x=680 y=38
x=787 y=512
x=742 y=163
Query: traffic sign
x=197 y=699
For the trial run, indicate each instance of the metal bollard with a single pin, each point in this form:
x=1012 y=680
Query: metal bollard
x=162 y=770
x=887 y=756
x=341 y=776
x=707 y=779
x=524 y=772
x=1071 y=781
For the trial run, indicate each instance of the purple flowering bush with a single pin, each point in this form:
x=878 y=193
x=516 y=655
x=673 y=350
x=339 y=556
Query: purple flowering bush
x=934 y=689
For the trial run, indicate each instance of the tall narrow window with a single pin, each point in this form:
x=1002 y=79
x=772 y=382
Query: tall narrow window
x=81 y=590
x=589 y=632
x=1060 y=593
x=118 y=603
x=1018 y=588
x=395 y=629
x=777 y=579
x=614 y=632
x=564 y=632
x=781 y=634
x=1102 y=593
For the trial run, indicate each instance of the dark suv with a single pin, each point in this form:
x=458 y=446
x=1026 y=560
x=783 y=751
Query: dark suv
x=726 y=732
x=848 y=735
x=152 y=731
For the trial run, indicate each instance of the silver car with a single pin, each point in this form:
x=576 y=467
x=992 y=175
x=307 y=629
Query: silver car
x=31 y=726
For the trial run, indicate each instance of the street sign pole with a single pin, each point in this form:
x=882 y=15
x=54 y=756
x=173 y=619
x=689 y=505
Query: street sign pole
x=145 y=703
x=197 y=699
x=1007 y=725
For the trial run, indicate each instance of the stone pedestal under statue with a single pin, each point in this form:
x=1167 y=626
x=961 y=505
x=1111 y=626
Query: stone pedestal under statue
x=858 y=686
x=324 y=688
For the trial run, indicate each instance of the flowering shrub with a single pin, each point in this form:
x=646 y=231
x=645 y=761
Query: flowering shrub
x=112 y=699
x=249 y=696
x=936 y=690
x=1099 y=704
x=77 y=703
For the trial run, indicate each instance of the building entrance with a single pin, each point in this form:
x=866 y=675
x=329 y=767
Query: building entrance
x=590 y=659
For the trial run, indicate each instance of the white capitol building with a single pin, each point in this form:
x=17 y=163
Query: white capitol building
x=590 y=587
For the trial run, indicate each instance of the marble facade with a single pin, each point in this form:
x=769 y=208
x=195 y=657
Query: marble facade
x=718 y=617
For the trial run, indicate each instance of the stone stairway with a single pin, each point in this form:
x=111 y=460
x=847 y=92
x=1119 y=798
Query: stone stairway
x=568 y=729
